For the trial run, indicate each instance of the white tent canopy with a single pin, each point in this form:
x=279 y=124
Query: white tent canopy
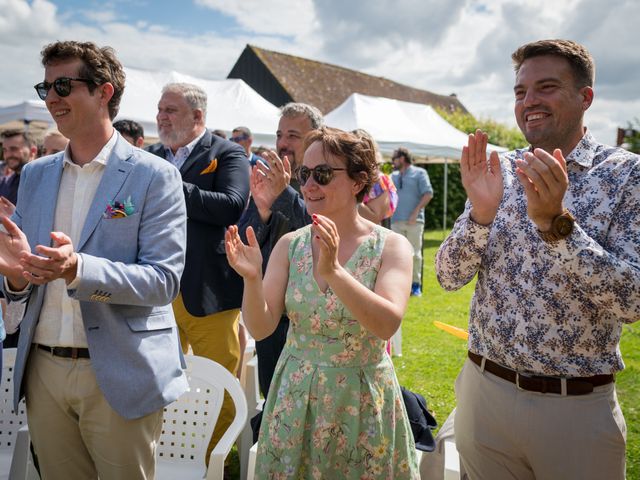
x=394 y=123
x=28 y=111
x=231 y=103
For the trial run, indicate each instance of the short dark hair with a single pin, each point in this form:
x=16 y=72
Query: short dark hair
x=29 y=139
x=294 y=109
x=130 y=128
x=359 y=154
x=403 y=152
x=579 y=58
x=243 y=131
x=219 y=133
x=99 y=65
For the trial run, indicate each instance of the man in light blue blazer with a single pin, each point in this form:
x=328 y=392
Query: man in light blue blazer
x=97 y=254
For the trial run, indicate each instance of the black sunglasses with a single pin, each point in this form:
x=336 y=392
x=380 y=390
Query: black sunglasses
x=61 y=85
x=239 y=138
x=322 y=174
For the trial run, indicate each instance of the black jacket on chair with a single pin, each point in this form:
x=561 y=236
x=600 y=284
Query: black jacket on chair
x=215 y=180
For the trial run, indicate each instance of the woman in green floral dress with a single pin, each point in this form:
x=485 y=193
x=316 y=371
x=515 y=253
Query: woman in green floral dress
x=335 y=409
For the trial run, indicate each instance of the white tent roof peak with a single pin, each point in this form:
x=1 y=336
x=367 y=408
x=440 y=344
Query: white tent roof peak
x=394 y=123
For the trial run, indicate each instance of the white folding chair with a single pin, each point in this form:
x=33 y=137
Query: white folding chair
x=15 y=458
x=189 y=421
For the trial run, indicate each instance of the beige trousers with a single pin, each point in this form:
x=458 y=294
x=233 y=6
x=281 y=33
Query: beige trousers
x=216 y=337
x=412 y=232
x=75 y=433
x=505 y=433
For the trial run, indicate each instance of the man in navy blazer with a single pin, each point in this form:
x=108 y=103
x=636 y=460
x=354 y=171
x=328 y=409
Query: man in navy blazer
x=97 y=254
x=215 y=179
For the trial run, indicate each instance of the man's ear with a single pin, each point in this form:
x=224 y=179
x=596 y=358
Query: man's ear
x=106 y=92
x=587 y=97
x=198 y=116
x=139 y=142
x=33 y=152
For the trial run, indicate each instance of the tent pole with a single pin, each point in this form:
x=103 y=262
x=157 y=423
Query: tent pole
x=444 y=208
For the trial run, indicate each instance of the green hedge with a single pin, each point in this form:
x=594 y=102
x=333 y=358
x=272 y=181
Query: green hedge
x=455 y=193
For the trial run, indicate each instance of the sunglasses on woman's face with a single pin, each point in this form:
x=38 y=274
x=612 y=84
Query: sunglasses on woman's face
x=322 y=174
x=61 y=85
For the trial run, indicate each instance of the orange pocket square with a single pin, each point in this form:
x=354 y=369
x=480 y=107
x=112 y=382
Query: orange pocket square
x=211 y=167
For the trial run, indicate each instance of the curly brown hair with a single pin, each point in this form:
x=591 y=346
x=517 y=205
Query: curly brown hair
x=359 y=154
x=579 y=58
x=99 y=65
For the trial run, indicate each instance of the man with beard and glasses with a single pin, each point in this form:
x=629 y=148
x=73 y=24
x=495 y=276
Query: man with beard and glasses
x=215 y=181
x=551 y=231
x=276 y=207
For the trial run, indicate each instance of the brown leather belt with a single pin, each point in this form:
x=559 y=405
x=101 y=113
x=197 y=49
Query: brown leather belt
x=66 y=352
x=541 y=384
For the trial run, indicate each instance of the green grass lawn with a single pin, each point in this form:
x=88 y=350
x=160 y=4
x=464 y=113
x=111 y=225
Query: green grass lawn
x=432 y=358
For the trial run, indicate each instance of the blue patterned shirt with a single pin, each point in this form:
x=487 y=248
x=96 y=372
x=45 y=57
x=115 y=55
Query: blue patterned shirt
x=554 y=308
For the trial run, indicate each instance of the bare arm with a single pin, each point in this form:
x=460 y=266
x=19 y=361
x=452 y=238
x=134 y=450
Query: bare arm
x=261 y=309
x=376 y=208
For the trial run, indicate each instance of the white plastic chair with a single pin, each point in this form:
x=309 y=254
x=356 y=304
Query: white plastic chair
x=254 y=404
x=15 y=458
x=249 y=353
x=444 y=462
x=396 y=343
x=189 y=421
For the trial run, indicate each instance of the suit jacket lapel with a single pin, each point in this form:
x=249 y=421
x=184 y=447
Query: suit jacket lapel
x=200 y=149
x=116 y=172
x=48 y=192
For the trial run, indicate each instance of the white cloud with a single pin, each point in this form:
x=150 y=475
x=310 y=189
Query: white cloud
x=273 y=17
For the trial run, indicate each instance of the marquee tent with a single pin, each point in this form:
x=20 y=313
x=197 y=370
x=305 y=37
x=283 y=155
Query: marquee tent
x=231 y=103
x=394 y=123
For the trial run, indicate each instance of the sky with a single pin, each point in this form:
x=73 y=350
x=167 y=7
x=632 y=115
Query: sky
x=444 y=46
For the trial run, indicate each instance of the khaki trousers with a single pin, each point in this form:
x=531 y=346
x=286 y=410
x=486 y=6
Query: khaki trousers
x=75 y=433
x=412 y=232
x=215 y=337
x=503 y=432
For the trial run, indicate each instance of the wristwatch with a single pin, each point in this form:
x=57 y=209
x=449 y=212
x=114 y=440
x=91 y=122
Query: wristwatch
x=561 y=227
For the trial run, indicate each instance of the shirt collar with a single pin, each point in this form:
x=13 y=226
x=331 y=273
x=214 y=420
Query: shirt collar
x=103 y=155
x=583 y=153
x=188 y=148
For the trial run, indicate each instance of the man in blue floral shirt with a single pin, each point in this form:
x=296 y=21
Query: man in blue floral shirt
x=553 y=233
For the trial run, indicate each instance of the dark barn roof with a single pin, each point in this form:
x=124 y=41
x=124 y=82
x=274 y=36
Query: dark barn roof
x=282 y=78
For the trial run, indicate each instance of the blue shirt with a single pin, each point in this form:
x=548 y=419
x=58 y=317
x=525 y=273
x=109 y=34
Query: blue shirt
x=411 y=186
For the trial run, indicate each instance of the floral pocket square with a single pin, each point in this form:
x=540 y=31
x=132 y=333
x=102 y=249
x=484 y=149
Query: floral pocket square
x=211 y=167
x=119 y=209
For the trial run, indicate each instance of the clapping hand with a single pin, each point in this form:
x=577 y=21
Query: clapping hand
x=51 y=263
x=482 y=180
x=545 y=181
x=268 y=181
x=6 y=207
x=13 y=244
x=326 y=239
x=244 y=259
